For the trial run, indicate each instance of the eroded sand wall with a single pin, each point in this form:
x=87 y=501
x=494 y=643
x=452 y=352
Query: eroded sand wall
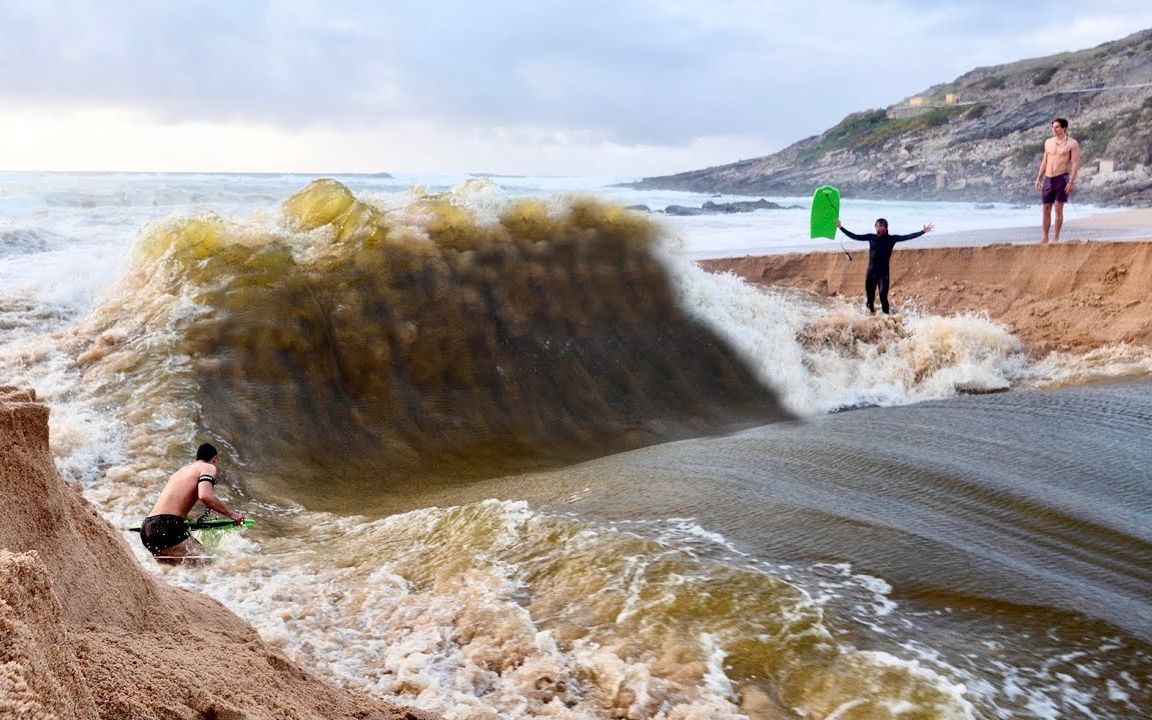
x=85 y=632
x=1067 y=296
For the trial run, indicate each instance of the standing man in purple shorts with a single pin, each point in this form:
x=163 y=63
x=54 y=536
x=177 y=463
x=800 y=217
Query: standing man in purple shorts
x=1057 y=176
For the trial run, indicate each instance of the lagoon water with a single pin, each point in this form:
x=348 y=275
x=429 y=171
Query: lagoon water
x=512 y=454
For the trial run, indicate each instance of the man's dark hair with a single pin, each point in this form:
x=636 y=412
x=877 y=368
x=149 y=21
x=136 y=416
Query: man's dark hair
x=1061 y=122
x=882 y=221
x=206 y=452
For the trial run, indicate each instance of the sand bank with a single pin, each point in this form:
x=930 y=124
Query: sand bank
x=1117 y=225
x=85 y=632
x=1071 y=296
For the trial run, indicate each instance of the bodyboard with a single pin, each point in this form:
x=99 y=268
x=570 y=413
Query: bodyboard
x=210 y=525
x=825 y=212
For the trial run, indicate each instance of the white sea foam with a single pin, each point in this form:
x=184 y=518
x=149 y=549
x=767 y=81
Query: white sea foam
x=821 y=355
x=473 y=639
x=1102 y=363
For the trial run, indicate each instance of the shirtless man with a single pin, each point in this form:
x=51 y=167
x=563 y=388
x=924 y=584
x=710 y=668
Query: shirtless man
x=1057 y=176
x=164 y=532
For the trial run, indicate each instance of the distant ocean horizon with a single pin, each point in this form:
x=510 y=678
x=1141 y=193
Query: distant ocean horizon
x=511 y=453
x=765 y=231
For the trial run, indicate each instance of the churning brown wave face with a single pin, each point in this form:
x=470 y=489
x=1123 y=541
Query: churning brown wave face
x=354 y=344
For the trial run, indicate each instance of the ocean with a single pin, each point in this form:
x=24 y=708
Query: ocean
x=512 y=454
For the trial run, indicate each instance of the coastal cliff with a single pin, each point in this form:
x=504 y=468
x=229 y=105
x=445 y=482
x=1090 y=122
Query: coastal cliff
x=977 y=138
x=86 y=633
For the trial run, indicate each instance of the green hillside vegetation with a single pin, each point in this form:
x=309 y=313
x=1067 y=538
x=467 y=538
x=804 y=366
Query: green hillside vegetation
x=871 y=129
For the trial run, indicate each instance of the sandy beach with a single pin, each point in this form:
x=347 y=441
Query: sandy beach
x=1132 y=219
x=1086 y=292
x=1124 y=225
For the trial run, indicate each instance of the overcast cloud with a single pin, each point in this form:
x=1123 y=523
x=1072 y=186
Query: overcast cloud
x=544 y=86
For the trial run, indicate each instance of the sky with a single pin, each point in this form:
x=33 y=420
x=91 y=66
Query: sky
x=622 y=88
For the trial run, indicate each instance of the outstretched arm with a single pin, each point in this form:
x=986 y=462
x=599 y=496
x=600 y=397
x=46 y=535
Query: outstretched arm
x=849 y=233
x=901 y=238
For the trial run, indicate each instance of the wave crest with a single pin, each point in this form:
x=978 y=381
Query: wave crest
x=359 y=342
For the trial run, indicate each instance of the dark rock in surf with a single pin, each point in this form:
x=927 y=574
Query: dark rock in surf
x=714 y=208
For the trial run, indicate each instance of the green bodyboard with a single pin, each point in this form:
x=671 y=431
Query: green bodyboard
x=210 y=525
x=825 y=212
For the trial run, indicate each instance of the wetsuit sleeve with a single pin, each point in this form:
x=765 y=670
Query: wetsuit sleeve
x=910 y=236
x=853 y=235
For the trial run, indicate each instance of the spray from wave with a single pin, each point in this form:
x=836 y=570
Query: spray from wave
x=350 y=344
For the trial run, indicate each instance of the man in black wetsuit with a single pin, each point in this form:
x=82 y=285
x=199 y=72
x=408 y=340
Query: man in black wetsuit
x=880 y=245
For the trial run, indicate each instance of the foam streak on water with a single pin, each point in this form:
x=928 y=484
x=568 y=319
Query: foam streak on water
x=493 y=610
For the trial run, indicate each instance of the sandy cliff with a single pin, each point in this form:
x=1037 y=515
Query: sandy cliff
x=1069 y=296
x=86 y=633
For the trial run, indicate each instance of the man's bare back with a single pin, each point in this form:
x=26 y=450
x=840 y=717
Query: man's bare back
x=180 y=493
x=164 y=531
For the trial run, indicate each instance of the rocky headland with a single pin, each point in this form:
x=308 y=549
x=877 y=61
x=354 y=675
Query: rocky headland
x=977 y=138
